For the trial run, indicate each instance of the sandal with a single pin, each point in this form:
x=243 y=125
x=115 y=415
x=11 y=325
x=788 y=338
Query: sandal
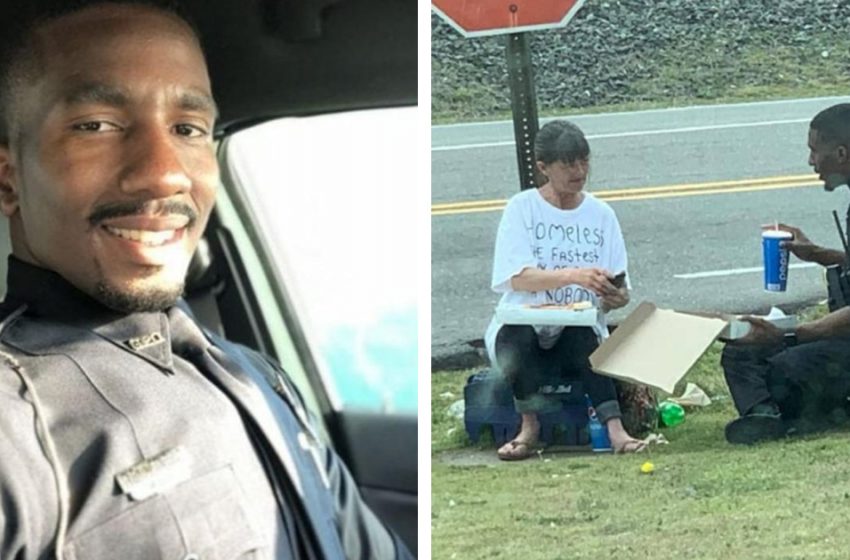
x=632 y=446
x=516 y=450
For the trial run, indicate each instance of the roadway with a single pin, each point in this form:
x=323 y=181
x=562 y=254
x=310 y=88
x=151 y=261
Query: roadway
x=690 y=186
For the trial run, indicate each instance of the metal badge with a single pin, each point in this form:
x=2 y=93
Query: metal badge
x=145 y=341
x=156 y=475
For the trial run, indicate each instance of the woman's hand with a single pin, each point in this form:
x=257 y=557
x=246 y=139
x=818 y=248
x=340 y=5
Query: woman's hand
x=597 y=280
x=615 y=301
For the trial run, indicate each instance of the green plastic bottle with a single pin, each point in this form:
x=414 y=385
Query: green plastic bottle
x=672 y=414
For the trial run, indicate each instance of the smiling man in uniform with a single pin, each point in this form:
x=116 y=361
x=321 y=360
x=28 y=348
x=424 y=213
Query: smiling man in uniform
x=110 y=172
x=126 y=432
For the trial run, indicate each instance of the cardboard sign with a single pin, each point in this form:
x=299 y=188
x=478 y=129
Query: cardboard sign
x=656 y=347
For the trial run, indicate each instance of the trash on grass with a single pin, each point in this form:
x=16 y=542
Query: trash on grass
x=657 y=439
x=672 y=414
x=693 y=396
x=456 y=409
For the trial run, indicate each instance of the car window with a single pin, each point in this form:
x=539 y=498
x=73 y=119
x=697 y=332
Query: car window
x=333 y=200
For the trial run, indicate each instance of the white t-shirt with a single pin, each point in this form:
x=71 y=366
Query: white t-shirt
x=535 y=234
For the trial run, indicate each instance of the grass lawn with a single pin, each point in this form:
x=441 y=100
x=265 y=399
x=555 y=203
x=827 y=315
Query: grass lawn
x=744 y=95
x=706 y=499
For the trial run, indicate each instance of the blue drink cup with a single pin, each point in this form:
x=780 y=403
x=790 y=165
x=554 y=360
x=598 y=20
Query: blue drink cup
x=599 y=439
x=775 y=260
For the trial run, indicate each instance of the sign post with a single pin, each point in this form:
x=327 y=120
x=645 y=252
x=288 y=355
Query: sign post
x=523 y=107
x=480 y=18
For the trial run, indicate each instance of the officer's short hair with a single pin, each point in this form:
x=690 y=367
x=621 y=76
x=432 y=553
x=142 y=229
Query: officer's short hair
x=833 y=125
x=19 y=61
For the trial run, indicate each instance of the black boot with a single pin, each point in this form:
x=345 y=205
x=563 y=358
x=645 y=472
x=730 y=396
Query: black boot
x=762 y=423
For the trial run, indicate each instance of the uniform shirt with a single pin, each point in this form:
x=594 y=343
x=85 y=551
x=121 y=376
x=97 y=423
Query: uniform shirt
x=110 y=408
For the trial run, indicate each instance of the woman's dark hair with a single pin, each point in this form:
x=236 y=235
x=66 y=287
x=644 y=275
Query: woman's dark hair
x=560 y=141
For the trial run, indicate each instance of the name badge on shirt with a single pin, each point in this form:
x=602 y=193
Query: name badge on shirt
x=145 y=341
x=156 y=475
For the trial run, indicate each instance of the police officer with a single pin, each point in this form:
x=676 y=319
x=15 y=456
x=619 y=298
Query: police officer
x=125 y=431
x=797 y=381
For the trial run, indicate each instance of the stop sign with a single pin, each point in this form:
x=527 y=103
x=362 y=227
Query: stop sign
x=477 y=18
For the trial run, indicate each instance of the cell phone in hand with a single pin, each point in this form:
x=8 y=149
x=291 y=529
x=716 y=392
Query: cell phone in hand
x=619 y=280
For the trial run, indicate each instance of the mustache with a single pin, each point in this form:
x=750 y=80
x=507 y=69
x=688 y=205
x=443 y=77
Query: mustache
x=142 y=208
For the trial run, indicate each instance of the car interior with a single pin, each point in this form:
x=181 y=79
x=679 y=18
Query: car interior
x=291 y=58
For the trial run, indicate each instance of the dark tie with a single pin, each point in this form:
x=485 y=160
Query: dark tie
x=187 y=339
x=189 y=342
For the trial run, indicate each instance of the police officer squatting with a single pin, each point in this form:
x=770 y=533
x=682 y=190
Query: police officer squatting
x=797 y=381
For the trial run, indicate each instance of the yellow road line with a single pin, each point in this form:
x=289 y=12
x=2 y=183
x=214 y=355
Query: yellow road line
x=644 y=193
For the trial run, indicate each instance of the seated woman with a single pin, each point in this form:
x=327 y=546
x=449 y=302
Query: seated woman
x=557 y=245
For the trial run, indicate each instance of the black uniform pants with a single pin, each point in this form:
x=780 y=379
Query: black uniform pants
x=527 y=367
x=809 y=381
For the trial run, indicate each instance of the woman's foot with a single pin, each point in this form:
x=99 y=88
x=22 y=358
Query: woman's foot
x=516 y=450
x=621 y=441
x=525 y=444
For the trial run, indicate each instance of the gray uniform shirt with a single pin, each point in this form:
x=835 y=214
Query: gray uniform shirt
x=112 y=411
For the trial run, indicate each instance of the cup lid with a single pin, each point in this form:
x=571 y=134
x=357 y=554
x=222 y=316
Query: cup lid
x=777 y=234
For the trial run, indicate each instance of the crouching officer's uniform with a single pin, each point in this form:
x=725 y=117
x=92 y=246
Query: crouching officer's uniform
x=137 y=437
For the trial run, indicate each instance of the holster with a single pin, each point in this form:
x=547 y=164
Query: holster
x=838 y=286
